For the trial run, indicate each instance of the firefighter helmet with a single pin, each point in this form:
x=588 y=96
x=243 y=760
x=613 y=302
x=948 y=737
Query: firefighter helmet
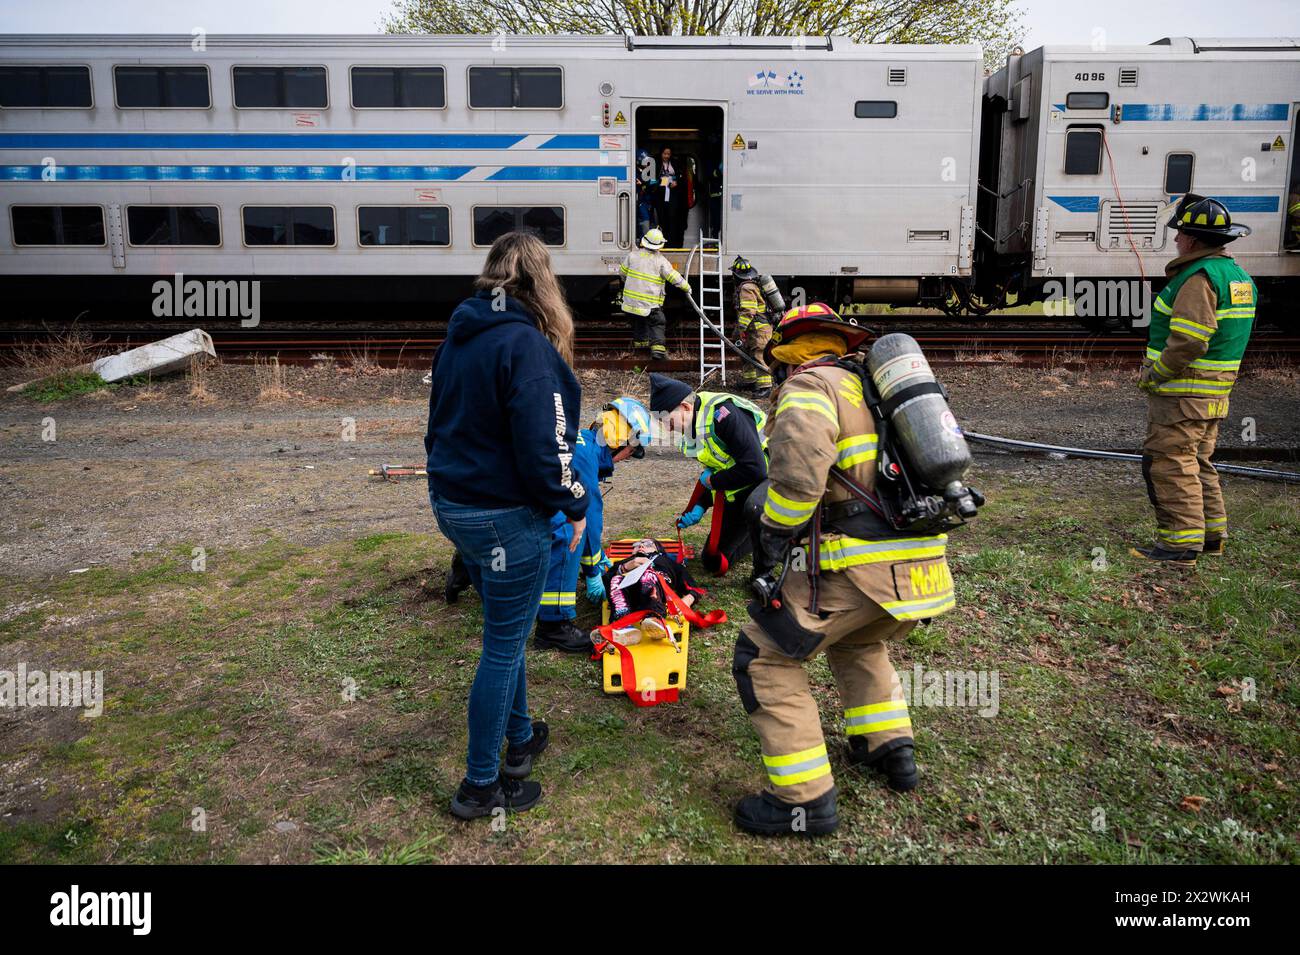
x=1206 y=219
x=654 y=240
x=742 y=269
x=816 y=317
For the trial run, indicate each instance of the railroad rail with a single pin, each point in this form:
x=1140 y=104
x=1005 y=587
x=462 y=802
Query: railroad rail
x=605 y=345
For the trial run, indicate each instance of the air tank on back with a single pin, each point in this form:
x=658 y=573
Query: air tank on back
x=922 y=421
x=771 y=295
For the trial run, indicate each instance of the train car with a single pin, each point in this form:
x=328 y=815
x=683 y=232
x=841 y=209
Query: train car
x=340 y=171
x=1085 y=151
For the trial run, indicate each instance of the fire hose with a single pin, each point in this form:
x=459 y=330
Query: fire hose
x=739 y=352
x=1259 y=474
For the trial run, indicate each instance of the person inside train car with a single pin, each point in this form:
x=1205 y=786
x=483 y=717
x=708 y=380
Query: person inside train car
x=846 y=605
x=503 y=410
x=670 y=198
x=754 y=324
x=621 y=431
x=644 y=272
x=725 y=434
x=644 y=201
x=1200 y=325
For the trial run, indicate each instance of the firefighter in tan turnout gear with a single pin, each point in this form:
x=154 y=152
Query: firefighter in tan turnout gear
x=1200 y=325
x=755 y=325
x=869 y=588
x=644 y=272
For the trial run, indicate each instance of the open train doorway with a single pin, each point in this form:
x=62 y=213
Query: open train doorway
x=1291 y=217
x=680 y=172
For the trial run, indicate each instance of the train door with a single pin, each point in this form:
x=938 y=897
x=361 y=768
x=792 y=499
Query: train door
x=1291 y=213
x=679 y=171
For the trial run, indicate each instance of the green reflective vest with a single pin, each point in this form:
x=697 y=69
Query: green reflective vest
x=1236 y=297
x=707 y=448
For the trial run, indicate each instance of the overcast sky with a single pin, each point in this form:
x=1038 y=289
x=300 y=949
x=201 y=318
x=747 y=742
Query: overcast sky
x=1046 y=21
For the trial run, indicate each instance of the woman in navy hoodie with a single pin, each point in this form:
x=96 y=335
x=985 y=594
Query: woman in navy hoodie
x=502 y=417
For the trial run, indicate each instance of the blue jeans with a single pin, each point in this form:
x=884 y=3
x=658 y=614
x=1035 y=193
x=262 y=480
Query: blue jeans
x=506 y=551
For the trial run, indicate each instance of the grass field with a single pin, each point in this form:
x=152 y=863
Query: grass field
x=1144 y=715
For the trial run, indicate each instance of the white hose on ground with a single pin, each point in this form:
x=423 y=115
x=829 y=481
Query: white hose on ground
x=1259 y=474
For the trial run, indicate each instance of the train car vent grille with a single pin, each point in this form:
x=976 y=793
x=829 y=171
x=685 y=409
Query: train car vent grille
x=1128 y=76
x=898 y=76
x=1139 y=219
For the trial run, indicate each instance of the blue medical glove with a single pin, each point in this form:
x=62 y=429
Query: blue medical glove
x=595 y=589
x=705 y=477
x=691 y=517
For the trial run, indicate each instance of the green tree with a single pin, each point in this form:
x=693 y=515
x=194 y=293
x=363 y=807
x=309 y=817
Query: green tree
x=994 y=23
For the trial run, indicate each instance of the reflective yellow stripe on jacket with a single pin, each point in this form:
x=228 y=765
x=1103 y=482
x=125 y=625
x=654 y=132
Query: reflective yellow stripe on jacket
x=853 y=551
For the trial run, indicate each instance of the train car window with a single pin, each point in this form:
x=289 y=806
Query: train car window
x=173 y=225
x=404 y=225
x=1178 y=173
x=57 y=225
x=539 y=87
x=280 y=87
x=405 y=87
x=875 y=109
x=545 y=222
x=1083 y=151
x=510 y=87
x=288 y=225
x=1087 y=100
x=162 y=87
x=45 y=87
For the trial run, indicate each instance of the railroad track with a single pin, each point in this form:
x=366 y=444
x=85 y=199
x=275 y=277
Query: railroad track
x=605 y=344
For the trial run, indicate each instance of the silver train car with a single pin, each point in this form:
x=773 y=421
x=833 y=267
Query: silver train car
x=1085 y=151
x=344 y=170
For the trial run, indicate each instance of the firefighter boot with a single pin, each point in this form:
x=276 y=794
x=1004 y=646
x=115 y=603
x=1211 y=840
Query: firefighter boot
x=1213 y=546
x=898 y=763
x=561 y=635
x=765 y=815
x=1175 y=558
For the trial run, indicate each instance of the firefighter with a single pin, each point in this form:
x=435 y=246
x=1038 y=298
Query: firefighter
x=724 y=433
x=1200 y=324
x=621 y=431
x=755 y=325
x=1293 y=221
x=864 y=585
x=644 y=272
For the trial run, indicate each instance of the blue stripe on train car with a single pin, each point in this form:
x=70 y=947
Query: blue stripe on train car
x=288 y=141
x=1232 y=203
x=1205 y=112
x=364 y=173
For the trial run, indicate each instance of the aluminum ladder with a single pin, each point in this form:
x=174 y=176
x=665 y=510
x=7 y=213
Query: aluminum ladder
x=711 y=303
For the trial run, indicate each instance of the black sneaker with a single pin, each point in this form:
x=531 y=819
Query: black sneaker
x=765 y=815
x=519 y=762
x=512 y=795
x=1213 y=546
x=457 y=581
x=562 y=635
x=1158 y=554
x=896 y=760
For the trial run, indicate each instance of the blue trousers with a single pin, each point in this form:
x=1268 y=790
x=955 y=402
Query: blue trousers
x=560 y=593
x=505 y=551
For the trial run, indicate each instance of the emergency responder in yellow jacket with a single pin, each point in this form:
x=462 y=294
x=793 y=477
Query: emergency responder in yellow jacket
x=871 y=585
x=1200 y=324
x=644 y=272
x=725 y=434
x=1293 y=221
x=754 y=323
